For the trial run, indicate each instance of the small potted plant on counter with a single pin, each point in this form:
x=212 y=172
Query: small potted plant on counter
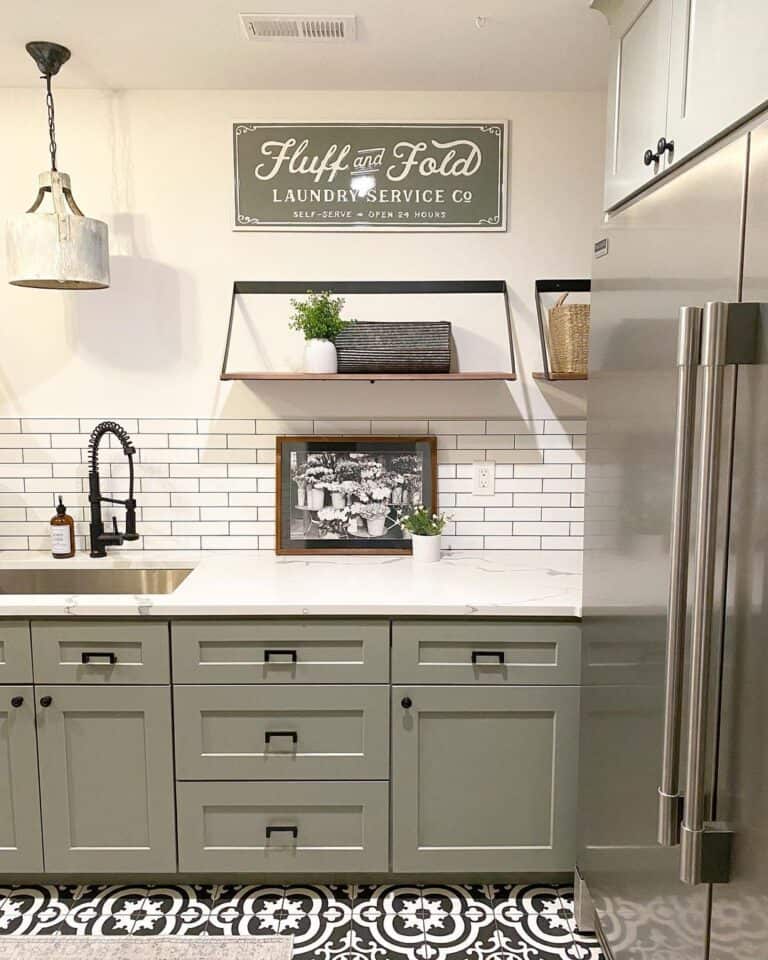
x=319 y=319
x=425 y=529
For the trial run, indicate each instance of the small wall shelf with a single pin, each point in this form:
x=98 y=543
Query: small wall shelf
x=555 y=286
x=505 y=350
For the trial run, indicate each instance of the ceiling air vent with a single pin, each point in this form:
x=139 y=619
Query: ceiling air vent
x=265 y=26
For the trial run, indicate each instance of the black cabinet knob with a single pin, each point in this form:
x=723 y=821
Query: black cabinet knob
x=665 y=146
x=650 y=157
x=406 y=702
x=17 y=701
x=46 y=701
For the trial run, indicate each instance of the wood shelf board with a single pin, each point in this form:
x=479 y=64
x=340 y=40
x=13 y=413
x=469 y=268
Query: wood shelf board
x=371 y=377
x=561 y=376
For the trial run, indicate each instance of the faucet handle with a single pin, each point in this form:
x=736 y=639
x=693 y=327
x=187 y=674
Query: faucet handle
x=130 y=521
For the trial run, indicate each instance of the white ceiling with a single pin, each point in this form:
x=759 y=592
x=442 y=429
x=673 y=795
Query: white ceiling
x=402 y=44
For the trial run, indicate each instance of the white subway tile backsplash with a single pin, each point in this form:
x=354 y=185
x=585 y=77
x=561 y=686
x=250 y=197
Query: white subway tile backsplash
x=226 y=426
x=210 y=483
x=54 y=425
x=165 y=426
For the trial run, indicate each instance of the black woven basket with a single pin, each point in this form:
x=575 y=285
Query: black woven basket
x=409 y=347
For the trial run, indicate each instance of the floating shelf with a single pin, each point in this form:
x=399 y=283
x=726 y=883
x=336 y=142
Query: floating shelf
x=371 y=377
x=503 y=354
x=555 y=286
x=560 y=376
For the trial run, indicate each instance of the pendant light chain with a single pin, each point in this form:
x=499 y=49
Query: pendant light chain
x=51 y=120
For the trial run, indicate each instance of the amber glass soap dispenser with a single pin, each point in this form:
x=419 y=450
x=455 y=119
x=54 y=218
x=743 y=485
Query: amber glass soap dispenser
x=62 y=533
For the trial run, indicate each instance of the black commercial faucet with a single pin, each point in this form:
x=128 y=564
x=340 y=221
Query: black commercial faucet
x=99 y=539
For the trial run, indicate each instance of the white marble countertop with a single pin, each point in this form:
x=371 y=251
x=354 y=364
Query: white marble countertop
x=464 y=583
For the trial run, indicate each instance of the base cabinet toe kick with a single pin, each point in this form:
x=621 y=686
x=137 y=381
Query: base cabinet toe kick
x=258 y=746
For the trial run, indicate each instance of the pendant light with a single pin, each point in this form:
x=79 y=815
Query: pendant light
x=62 y=250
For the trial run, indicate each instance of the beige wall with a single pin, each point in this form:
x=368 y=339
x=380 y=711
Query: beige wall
x=157 y=165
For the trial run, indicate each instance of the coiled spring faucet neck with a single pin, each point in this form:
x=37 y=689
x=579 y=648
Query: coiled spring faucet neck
x=99 y=539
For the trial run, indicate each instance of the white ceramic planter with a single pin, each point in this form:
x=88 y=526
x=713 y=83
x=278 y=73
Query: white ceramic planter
x=320 y=357
x=376 y=526
x=426 y=549
x=301 y=494
x=338 y=500
x=315 y=498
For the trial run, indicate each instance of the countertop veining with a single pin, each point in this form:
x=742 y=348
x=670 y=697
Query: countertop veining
x=464 y=583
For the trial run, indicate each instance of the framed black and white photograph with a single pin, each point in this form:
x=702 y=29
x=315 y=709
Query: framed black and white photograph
x=338 y=495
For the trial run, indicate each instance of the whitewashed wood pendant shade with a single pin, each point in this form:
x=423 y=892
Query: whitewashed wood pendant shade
x=58 y=247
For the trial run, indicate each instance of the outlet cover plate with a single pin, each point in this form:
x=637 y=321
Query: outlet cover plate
x=484 y=478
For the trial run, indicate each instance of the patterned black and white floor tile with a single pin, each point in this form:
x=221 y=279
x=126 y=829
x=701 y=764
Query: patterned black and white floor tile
x=327 y=921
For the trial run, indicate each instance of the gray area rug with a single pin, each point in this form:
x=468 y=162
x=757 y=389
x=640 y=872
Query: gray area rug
x=146 y=948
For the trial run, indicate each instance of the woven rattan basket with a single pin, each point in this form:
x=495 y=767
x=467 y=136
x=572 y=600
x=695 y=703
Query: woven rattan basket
x=569 y=337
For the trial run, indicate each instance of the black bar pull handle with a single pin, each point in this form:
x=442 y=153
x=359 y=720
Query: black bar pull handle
x=498 y=654
x=294 y=831
x=89 y=656
x=268 y=654
x=269 y=734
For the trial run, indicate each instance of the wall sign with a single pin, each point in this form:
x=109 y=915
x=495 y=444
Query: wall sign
x=363 y=176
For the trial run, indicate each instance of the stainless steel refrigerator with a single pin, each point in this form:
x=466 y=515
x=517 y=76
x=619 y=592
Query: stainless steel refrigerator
x=673 y=851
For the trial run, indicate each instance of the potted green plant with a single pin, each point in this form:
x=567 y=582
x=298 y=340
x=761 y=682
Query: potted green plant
x=319 y=319
x=425 y=529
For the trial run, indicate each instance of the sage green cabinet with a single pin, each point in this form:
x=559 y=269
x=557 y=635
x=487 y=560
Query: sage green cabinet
x=100 y=652
x=21 y=848
x=485 y=651
x=253 y=732
x=280 y=651
x=484 y=778
x=106 y=778
x=15 y=652
x=283 y=827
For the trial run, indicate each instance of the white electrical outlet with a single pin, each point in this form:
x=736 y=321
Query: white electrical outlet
x=484 y=478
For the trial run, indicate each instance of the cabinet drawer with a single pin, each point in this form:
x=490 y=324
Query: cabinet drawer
x=273 y=733
x=327 y=827
x=100 y=652
x=494 y=652
x=281 y=651
x=15 y=652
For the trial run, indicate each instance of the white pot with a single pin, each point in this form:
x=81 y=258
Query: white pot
x=301 y=494
x=376 y=526
x=315 y=498
x=320 y=357
x=338 y=500
x=425 y=549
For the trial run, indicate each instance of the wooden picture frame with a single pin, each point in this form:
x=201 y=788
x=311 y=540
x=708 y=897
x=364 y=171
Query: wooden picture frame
x=331 y=492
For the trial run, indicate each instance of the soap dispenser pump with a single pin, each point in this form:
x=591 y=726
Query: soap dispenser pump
x=62 y=533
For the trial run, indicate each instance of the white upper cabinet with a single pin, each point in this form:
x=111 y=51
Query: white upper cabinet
x=637 y=94
x=682 y=73
x=718 y=68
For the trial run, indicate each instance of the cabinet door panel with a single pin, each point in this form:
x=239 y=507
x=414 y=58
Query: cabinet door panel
x=484 y=778
x=718 y=70
x=275 y=733
x=15 y=652
x=280 y=651
x=495 y=652
x=21 y=848
x=100 y=652
x=326 y=827
x=106 y=778
x=637 y=98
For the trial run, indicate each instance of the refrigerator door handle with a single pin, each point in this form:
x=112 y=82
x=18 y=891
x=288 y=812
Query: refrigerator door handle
x=688 y=353
x=730 y=334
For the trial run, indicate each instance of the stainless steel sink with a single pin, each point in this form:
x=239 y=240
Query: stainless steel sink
x=91 y=581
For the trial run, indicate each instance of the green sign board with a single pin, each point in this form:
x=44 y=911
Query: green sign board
x=370 y=176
